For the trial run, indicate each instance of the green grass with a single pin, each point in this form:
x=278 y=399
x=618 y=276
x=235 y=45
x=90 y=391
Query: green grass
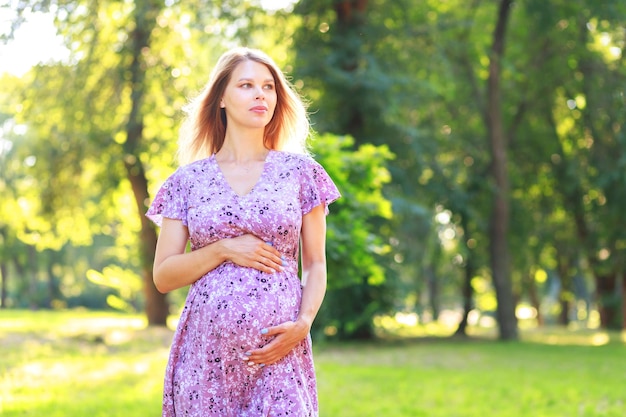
x=473 y=379
x=80 y=364
x=77 y=363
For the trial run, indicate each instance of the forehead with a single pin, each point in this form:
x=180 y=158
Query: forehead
x=249 y=69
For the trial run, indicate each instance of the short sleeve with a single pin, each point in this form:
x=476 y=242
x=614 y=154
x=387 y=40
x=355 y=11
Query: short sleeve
x=316 y=187
x=170 y=201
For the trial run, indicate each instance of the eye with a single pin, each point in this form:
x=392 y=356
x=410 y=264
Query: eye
x=246 y=85
x=268 y=86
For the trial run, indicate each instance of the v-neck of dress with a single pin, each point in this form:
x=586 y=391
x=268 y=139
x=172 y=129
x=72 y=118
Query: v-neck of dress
x=227 y=185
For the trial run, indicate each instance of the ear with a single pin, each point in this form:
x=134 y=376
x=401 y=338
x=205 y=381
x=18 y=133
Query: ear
x=222 y=105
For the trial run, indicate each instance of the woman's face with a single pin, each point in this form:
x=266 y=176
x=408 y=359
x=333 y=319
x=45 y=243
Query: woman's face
x=250 y=96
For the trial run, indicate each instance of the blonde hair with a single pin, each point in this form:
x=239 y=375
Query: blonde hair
x=203 y=131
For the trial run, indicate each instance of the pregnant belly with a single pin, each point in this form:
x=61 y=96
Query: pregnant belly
x=237 y=302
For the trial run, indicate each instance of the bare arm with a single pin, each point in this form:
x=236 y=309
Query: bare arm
x=313 y=265
x=289 y=334
x=174 y=268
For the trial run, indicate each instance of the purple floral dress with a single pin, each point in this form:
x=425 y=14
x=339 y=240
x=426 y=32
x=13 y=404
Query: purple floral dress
x=226 y=309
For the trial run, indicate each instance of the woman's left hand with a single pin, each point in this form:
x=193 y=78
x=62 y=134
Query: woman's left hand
x=285 y=337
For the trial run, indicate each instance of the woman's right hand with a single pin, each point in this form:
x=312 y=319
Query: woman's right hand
x=250 y=251
x=175 y=268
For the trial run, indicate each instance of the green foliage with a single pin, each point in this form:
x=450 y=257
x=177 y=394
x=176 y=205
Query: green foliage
x=126 y=283
x=65 y=138
x=356 y=290
x=563 y=104
x=568 y=154
x=409 y=75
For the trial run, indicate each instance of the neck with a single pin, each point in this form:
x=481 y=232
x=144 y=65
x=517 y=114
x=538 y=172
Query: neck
x=243 y=146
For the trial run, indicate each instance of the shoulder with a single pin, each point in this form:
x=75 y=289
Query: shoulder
x=186 y=175
x=192 y=169
x=295 y=160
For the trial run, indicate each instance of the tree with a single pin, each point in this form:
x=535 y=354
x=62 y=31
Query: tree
x=330 y=58
x=144 y=18
x=573 y=134
x=500 y=217
x=118 y=79
x=430 y=81
x=356 y=288
x=371 y=91
x=117 y=128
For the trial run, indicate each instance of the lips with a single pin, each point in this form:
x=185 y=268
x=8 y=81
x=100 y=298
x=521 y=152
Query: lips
x=259 y=109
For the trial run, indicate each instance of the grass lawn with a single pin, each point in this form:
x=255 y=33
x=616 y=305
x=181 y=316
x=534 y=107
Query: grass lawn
x=93 y=364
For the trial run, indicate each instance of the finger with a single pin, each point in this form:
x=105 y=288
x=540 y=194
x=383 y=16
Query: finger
x=267 y=260
x=265 y=349
x=270 y=261
x=264 y=267
x=262 y=357
x=273 y=330
x=257 y=357
x=269 y=246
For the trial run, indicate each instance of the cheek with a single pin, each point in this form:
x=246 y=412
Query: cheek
x=271 y=100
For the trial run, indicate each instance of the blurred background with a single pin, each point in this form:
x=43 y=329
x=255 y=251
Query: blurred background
x=480 y=147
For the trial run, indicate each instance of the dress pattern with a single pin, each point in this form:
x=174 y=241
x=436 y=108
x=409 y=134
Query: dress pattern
x=226 y=308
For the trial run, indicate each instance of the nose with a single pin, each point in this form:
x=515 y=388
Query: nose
x=259 y=93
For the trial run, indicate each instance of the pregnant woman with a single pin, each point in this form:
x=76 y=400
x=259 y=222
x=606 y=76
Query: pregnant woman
x=252 y=204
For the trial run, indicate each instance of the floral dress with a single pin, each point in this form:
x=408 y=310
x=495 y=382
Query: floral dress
x=226 y=308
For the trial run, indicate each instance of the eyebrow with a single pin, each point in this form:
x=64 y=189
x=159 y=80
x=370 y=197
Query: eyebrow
x=267 y=80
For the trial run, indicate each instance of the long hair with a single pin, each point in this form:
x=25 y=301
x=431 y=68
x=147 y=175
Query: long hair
x=203 y=131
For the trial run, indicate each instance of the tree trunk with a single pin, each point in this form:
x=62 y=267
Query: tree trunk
x=51 y=293
x=4 y=276
x=351 y=19
x=467 y=290
x=433 y=291
x=566 y=294
x=535 y=300
x=145 y=14
x=33 y=284
x=499 y=222
x=610 y=300
x=623 y=299
x=346 y=9
x=468 y=294
x=4 y=269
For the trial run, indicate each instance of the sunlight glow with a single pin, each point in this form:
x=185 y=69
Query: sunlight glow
x=30 y=161
x=600 y=339
x=616 y=52
x=275 y=5
x=443 y=217
x=5 y=146
x=605 y=42
x=525 y=312
x=36 y=41
x=407 y=319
